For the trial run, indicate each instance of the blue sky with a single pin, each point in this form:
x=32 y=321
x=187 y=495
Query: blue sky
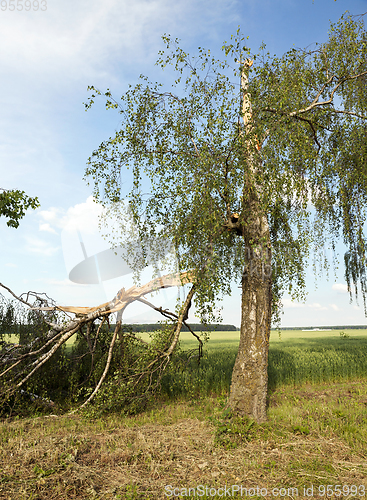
x=47 y=60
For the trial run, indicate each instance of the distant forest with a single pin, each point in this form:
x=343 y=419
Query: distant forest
x=345 y=327
x=195 y=327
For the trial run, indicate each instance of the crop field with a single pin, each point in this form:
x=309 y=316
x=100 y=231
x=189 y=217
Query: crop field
x=295 y=357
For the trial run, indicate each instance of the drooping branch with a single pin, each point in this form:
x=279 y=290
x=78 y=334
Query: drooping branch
x=160 y=362
x=316 y=103
x=45 y=357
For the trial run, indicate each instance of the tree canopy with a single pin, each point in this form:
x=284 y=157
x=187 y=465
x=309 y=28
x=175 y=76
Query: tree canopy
x=13 y=205
x=306 y=134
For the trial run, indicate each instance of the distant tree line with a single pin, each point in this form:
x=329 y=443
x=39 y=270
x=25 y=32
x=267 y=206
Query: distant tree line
x=344 y=327
x=196 y=327
x=14 y=320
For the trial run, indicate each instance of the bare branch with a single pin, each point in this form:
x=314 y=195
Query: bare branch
x=350 y=113
x=108 y=362
x=42 y=360
x=16 y=296
x=167 y=314
x=125 y=297
x=180 y=321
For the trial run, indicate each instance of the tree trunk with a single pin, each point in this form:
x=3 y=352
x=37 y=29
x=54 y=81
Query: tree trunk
x=250 y=373
x=249 y=385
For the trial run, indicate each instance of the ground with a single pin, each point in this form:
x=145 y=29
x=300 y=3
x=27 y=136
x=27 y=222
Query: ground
x=315 y=436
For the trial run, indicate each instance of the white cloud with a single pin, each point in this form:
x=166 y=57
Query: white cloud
x=78 y=39
x=47 y=228
x=289 y=303
x=9 y=264
x=317 y=306
x=41 y=247
x=83 y=216
x=50 y=215
x=334 y=307
x=340 y=287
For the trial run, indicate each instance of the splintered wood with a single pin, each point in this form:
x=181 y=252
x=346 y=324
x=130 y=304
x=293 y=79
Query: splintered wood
x=125 y=297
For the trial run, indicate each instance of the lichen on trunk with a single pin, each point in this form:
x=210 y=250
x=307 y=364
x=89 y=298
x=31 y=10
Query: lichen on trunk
x=250 y=373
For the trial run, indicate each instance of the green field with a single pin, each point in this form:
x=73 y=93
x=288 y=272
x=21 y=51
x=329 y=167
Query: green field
x=296 y=357
x=296 y=338
x=228 y=339
x=231 y=338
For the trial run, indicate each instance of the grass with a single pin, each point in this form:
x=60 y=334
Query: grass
x=316 y=435
x=316 y=432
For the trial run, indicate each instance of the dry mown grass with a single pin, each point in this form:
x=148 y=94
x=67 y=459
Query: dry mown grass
x=315 y=435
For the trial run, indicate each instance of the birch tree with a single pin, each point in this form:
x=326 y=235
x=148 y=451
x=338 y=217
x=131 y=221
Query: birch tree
x=253 y=163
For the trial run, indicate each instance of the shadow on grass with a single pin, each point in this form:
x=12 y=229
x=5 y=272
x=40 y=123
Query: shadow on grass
x=289 y=364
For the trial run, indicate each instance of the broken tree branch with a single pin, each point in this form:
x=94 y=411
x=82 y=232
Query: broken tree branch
x=87 y=315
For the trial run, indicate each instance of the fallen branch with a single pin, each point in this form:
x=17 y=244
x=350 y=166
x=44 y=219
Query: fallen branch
x=59 y=334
